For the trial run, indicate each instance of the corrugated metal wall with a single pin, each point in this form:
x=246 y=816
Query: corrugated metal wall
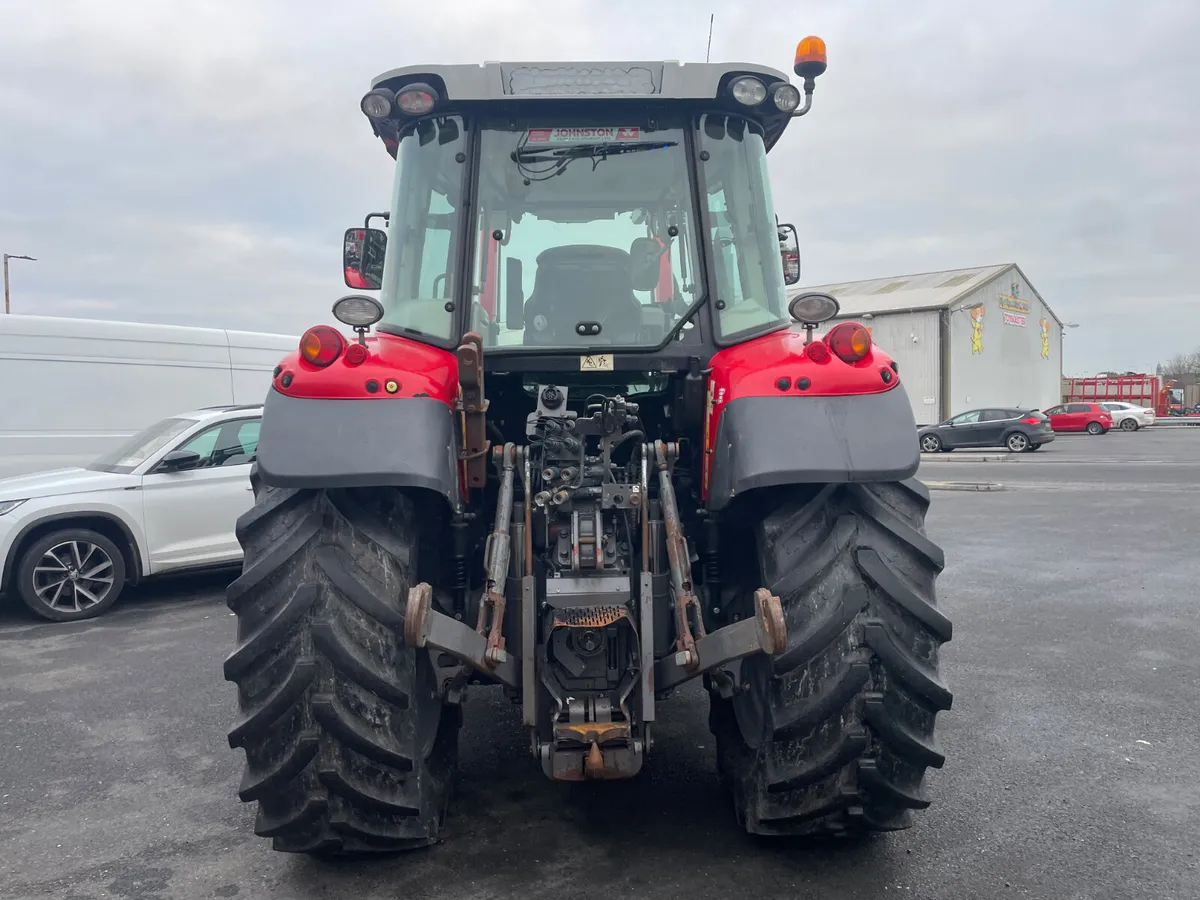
x=910 y=338
x=1007 y=354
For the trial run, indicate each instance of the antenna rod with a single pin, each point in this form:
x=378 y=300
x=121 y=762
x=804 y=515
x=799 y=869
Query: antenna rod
x=708 y=52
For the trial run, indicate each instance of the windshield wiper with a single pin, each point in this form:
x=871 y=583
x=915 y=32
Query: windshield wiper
x=562 y=157
x=579 y=151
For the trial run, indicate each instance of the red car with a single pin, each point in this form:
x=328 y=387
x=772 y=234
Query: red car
x=1090 y=417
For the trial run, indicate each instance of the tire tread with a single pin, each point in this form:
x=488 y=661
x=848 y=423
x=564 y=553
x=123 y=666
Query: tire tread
x=337 y=743
x=849 y=708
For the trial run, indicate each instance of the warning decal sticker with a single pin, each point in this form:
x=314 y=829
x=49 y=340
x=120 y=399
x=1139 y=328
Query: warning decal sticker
x=599 y=362
x=597 y=134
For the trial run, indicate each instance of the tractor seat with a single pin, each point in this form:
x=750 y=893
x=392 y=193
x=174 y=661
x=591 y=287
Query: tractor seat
x=582 y=283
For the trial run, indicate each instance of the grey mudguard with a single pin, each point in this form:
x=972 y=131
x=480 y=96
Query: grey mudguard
x=770 y=441
x=405 y=442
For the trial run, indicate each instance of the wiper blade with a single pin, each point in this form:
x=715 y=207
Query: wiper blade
x=580 y=151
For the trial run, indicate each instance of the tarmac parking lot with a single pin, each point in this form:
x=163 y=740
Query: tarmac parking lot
x=1071 y=770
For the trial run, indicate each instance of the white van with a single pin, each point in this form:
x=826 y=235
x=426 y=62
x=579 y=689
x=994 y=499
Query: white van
x=71 y=389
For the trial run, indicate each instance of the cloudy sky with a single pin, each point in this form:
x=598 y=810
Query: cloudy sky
x=195 y=161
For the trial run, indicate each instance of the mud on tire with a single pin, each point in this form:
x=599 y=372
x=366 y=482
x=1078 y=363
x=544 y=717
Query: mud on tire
x=348 y=747
x=833 y=737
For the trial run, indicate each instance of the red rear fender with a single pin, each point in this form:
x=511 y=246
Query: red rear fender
x=393 y=368
x=759 y=367
x=778 y=413
x=321 y=430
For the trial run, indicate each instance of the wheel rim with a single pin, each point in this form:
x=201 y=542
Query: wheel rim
x=1129 y=425
x=929 y=444
x=73 y=576
x=1094 y=428
x=1017 y=442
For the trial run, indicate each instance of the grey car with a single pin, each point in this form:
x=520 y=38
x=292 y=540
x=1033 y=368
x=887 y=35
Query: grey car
x=1017 y=430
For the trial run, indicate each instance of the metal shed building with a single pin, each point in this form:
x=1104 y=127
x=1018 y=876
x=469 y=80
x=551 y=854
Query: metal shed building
x=962 y=338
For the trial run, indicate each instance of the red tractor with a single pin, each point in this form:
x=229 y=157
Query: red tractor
x=585 y=458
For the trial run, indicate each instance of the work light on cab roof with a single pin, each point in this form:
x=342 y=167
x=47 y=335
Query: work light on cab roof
x=419 y=91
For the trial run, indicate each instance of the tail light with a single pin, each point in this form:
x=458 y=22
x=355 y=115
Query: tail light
x=356 y=355
x=817 y=351
x=850 y=341
x=321 y=345
x=1032 y=420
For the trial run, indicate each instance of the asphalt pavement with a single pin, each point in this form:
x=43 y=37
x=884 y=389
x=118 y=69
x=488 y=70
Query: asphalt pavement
x=1071 y=768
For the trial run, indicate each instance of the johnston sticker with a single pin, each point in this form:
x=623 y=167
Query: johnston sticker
x=594 y=135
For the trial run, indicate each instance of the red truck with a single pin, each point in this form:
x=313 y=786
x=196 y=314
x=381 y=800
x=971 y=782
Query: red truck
x=1144 y=390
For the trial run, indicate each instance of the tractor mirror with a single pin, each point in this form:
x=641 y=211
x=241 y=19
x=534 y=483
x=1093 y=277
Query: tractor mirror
x=514 y=294
x=789 y=250
x=362 y=258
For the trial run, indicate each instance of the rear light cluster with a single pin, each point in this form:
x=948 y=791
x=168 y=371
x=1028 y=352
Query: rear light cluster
x=321 y=345
x=849 y=341
x=1031 y=420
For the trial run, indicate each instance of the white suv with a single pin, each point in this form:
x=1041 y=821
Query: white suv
x=1127 y=416
x=168 y=499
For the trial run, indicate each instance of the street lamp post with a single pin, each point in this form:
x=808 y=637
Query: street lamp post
x=7 y=257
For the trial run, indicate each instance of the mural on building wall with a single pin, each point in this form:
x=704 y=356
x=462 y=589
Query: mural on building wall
x=977 y=329
x=1045 y=323
x=1015 y=309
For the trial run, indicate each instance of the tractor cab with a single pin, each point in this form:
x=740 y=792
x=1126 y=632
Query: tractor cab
x=590 y=209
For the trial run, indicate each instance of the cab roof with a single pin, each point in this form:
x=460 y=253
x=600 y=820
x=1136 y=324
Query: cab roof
x=594 y=82
x=668 y=79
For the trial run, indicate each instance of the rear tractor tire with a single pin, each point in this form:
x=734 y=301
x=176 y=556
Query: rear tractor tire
x=832 y=738
x=349 y=748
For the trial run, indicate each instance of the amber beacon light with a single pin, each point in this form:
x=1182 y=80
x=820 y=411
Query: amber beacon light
x=810 y=62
